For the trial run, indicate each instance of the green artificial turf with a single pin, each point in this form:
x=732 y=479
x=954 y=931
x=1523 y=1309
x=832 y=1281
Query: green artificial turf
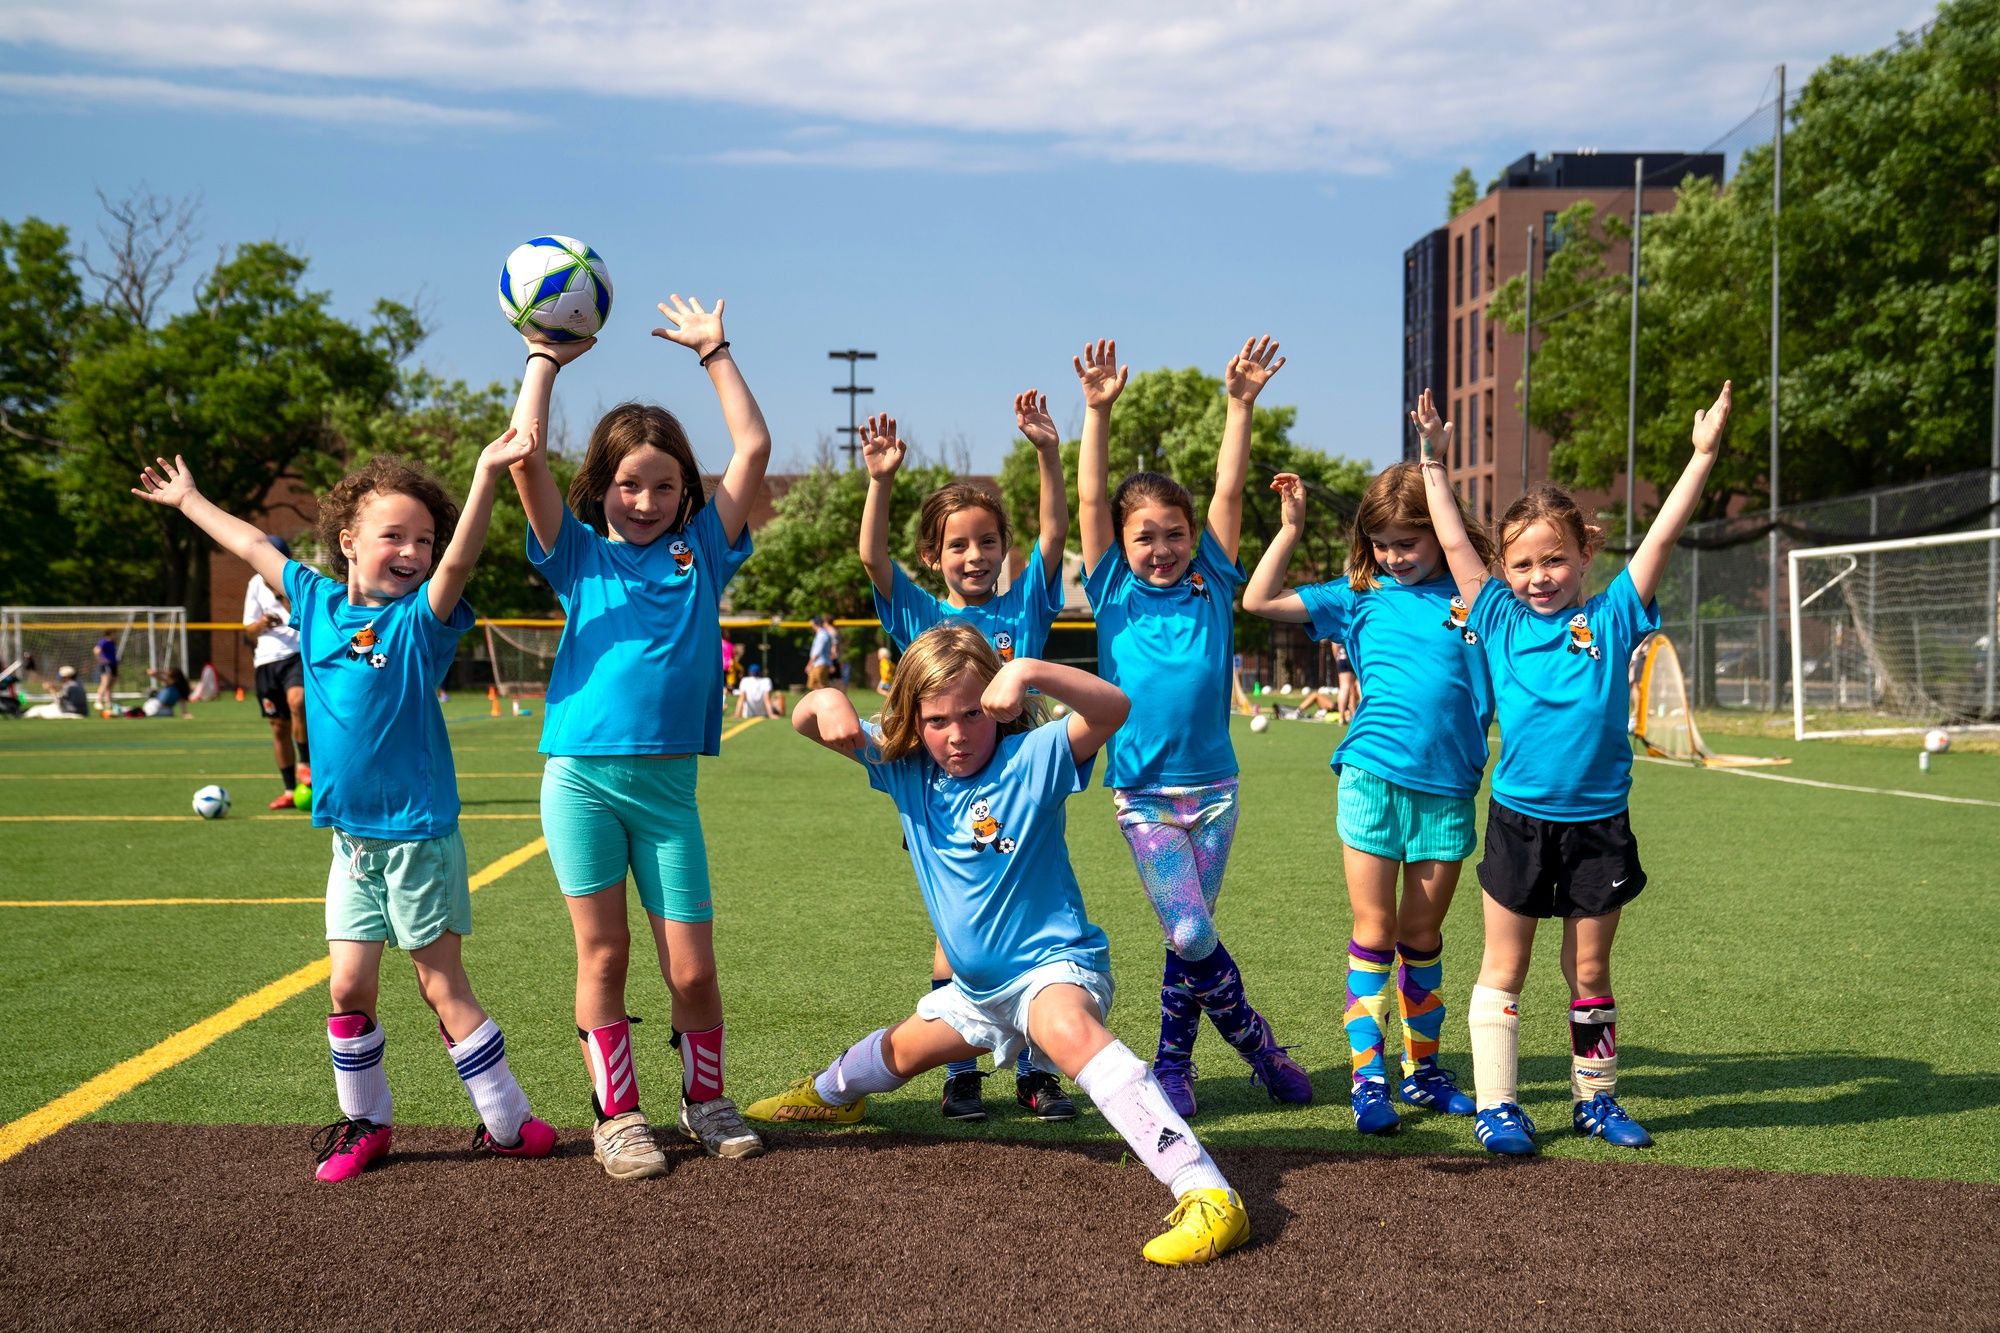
x=1804 y=986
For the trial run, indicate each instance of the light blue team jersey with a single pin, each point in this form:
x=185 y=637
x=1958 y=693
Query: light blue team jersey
x=1560 y=687
x=1426 y=698
x=639 y=667
x=992 y=857
x=381 y=761
x=1015 y=622
x=1169 y=650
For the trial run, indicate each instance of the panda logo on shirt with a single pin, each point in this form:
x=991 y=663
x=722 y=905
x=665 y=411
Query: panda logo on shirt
x=1459 y=618
x=683 y=555
x=1003 y=644
x=364 y=647
x=1197 y=584
x=986 y=829
x=1581 y=640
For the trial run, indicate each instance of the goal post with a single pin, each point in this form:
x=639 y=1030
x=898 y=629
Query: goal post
x=1663 y=721
x=44 y=639
x=1896 y=637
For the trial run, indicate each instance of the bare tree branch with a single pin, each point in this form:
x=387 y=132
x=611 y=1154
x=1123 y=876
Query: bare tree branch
x=149 y=238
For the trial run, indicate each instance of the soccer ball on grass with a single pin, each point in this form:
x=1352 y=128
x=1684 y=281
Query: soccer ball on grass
x=212 y=802
x=1937 y=740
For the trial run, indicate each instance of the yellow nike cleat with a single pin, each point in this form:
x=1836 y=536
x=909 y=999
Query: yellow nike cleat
x=801 y=1103
x=1205 y=1225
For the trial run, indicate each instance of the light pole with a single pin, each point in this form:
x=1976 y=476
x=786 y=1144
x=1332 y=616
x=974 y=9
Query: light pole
x=852 y=429
x=1771 y=570
x=1632 y=353
x=1527 y=355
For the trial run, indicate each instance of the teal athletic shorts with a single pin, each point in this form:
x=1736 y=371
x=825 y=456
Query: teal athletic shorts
x=404 y=893
x=1397 y=823
x=603 y=812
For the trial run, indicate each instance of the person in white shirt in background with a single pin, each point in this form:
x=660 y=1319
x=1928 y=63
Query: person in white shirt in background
x=281 y=680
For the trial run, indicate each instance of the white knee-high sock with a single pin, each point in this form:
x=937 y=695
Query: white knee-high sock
x=1495 y=1019
x=358 y=1077
x=1126 y=1092
x=859 y=1071
x=482 y=1066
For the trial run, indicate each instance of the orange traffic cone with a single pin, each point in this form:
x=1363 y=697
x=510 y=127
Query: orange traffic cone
x=239 y=694
x=492 y=701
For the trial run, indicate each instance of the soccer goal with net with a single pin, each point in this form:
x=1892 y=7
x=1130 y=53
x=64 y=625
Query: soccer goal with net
x=1663 y=722
x=44 y=639
x=520 y=654
x=1895 y=636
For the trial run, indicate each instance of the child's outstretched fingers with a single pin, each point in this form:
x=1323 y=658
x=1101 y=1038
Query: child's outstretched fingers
x=1031 y=418
x=692 y=326
x=171 y=485
x=1291 y=499
x=881 y=449
x=516 y=446
x=1708 y=425
x=1102 y=377
x=1251 y=369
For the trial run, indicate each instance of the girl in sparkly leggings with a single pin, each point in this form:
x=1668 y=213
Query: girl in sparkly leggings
x=1163 y=593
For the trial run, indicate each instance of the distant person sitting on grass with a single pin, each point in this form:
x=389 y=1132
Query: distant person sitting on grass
x=67 y=699
x=170 y=690
x=755 y=697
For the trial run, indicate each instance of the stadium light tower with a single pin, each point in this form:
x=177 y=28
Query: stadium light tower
x=851 y=430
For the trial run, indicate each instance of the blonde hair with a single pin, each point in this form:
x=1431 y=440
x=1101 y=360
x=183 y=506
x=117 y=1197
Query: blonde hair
x=934 y=659
x=1396 y=499
x=1545 y=502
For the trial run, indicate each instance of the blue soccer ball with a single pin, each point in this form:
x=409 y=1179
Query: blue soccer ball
x=555 y=289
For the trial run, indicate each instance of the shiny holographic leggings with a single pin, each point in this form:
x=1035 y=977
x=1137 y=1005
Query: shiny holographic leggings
x=1180 y=839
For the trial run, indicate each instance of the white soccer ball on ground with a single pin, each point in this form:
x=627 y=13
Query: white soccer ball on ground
x=555 y=289
x=1261 y=722
x=212 y=802
x=1937 y=740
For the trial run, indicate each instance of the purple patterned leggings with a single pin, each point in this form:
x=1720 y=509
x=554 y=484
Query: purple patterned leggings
x=1180 y=839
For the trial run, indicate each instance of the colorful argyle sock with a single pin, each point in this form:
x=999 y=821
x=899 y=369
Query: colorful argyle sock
x=1367 y=1008
x=1417 y=1001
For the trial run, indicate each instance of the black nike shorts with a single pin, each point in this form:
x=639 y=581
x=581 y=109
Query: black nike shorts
x=1547 y=868
x=274 y=679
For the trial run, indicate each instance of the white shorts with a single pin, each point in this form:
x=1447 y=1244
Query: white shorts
x=1000 y=1024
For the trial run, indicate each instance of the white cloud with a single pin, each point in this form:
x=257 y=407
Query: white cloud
x=1280 y=84
x=338 y=108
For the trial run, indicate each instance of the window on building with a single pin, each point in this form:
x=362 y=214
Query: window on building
x=1457 y=353
x=1472 y=490
x=1472 y=433
x=1472 y=371
x=1552 y=237
x=1458 y=270
x=1486 y=423
x=1492 y=234
x=1476 y=253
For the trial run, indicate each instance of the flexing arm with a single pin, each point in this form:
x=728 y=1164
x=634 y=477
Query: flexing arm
x=1103 y=379
x=1031 y=418
x=532 y=478
x=828 y=717
x=1266 y=594
x=173 y=485
x=701 y=330
x=1096 y=706
x=1466 y=567
x=454 y=567
x=1650 y=560
x=882 y=454
x=1249 y=371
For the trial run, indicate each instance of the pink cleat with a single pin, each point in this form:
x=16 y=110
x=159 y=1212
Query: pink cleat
x=346 y=1147
x=537 y=1140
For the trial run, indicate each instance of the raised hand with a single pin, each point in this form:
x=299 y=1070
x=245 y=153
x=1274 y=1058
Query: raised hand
x=1708 y=425
x=881 y=451
x=1007 y=693
x=1291 y=499
x=1251 y=369
x=173 y=485
x=1434 y=430
x=1103 y=379
x=692 y=326
x=1031 y=418
x=516 y=446
x=564 y=353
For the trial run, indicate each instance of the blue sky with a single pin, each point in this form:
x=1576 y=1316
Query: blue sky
x=970 y=191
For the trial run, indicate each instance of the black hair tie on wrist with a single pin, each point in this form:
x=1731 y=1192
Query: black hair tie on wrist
x=710 y=354
x=544 y=356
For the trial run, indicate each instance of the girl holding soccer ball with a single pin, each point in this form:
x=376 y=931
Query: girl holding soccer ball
x=1558 y=838
x=1408 y=767
x=963 y=534
x=1163 y=590
x=638 y=558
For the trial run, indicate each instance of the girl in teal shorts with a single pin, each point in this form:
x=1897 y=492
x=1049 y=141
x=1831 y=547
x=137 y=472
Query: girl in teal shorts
x=639 y=558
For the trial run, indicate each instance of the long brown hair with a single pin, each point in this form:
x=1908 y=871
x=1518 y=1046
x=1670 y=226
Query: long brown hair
x=934 y=659
x=949 y=499
x=1546 y=502
x=382 y=475
x=624 y=428
x=1395 y=499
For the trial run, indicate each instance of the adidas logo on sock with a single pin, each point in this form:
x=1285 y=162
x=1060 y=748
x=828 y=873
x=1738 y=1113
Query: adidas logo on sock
x=1168 y=1138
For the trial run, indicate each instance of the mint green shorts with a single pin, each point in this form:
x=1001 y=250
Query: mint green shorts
x=1398 y=823
x=406 y=893
x=604 y=812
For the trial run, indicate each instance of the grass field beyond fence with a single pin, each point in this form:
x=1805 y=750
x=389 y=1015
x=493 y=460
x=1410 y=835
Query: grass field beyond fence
x=1806 y=985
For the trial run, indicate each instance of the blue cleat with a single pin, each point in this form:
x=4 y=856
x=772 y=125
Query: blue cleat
x=1505 y=1129
x=1436 y=1089
x=1602 y=1117
x=1373 y=1112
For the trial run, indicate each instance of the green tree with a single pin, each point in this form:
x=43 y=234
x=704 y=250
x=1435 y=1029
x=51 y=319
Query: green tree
x=42 y=314
x=1464 y=193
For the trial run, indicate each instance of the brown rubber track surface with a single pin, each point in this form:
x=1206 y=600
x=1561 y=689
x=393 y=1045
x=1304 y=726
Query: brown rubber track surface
x=174 y=1226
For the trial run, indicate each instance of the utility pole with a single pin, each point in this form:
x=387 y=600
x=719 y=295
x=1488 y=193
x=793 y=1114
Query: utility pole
x=1771 y=563
x=1527 y=355
x=852 y=429
x=1632 y=353
x=1993 y=516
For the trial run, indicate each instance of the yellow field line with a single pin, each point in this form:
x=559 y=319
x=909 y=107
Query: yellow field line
x=231 y=777
x=121 y=1078
x=182 y=819
x=149 y=902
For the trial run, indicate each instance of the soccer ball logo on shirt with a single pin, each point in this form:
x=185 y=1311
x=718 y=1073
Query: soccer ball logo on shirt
x=683 y=555
x=986 y=829
x=1457 y=620
x=1581 y=640
x=1197 y=584
x=362 y=647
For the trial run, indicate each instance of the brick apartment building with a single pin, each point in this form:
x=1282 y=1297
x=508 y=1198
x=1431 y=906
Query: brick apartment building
x=1473 y=368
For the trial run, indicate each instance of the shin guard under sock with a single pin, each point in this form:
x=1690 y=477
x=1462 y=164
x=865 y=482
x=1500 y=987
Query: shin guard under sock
x=1367 y=1010
x=359 y=1080
x=860 y=1070
x=1593 y=1045
x=481 y=1060
x=1131 y=1100
x=1494 y=1017
x=701 y=1063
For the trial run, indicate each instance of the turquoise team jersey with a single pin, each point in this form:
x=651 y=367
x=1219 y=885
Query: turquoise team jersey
x=992 y=859
x=1016 y=622
x=1426 y=699
x=1560 y=687
x=1169 y=649
x=639 y=667
x=380 y=759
